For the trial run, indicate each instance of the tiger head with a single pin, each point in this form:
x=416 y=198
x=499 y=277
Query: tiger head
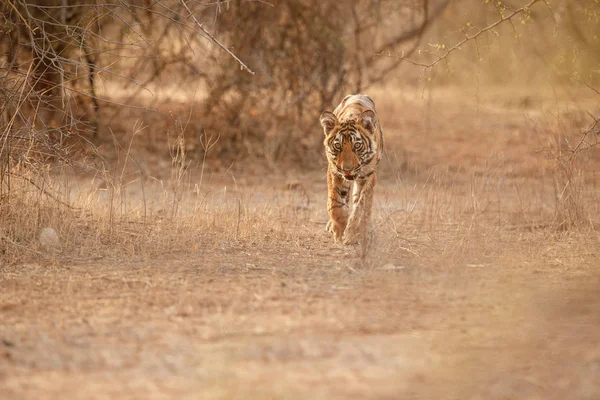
x=349 y=145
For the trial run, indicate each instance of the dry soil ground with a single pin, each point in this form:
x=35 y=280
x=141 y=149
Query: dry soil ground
x=469 y=290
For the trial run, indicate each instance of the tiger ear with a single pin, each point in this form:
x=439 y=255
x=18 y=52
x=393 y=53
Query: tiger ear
x=328 y=121
x=367 y=120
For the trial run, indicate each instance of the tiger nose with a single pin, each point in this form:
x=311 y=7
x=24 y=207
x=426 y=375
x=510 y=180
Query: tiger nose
x=347 y=168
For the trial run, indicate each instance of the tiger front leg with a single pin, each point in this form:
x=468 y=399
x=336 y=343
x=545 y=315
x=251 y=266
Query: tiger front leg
x=337 y=204
x=361 y=210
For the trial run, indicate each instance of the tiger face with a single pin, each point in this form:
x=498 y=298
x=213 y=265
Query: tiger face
x=350 y=145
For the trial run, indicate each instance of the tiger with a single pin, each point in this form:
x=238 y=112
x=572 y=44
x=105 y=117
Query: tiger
x=353 y=146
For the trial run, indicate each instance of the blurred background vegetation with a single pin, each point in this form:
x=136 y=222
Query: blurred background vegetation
x=256 y=74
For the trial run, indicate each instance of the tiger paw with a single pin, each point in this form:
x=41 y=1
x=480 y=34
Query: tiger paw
x=329 y=226
x=337 y=231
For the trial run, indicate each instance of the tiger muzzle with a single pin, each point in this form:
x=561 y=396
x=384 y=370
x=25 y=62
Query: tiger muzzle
x=348 y=175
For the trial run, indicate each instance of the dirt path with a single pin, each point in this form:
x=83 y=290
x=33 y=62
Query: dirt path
x=295 y=322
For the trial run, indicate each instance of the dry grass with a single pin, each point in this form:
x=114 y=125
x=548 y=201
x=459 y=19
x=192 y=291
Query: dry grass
x=185 y=280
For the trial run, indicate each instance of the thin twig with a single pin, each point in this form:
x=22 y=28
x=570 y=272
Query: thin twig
x=590 y=87
x=585 y=134
x=243 y=66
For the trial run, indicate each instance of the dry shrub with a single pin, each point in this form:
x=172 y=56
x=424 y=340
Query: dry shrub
x=573 y=153
x=56 y=55
x=64 y=60
x=67 y=58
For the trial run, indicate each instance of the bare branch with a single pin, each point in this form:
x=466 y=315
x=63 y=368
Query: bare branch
x=416 y=32
x=243 y=66
x=590 y=87
x=467 y=38
x=585 y=134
